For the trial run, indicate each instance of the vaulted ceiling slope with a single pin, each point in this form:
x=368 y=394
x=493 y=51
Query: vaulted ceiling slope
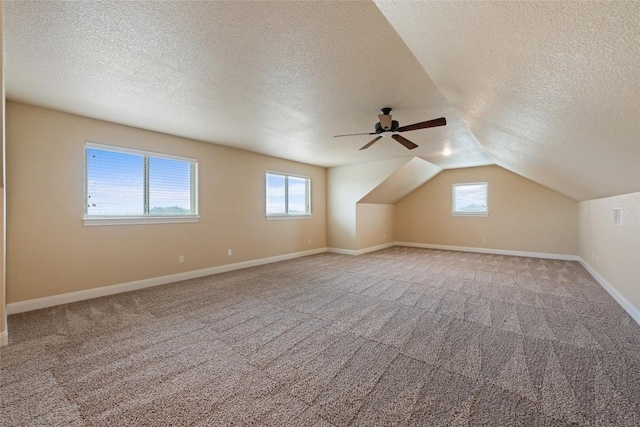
x=402 y=182
x=547 y=90
x=278 y=78
x=550 y=89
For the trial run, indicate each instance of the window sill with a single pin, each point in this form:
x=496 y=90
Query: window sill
x=137 y=220
x=469 y=214
x=281 y=217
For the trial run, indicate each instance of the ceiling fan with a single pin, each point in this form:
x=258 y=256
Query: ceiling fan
x=388 y=127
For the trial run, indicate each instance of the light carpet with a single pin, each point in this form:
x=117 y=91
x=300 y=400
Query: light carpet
x=402 y=336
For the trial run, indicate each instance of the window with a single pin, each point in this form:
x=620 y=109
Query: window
x=288 y=195
x=126 y=186
x=470 y=199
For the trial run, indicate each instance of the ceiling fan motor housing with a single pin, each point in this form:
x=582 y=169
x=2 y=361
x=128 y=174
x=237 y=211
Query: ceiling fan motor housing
x=394 y=127
x=388 y=127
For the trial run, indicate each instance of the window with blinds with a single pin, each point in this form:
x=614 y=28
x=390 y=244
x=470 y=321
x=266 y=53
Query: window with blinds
x=287 y=195
x=129 y=186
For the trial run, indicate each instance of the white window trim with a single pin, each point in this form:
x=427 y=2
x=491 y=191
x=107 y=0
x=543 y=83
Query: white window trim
x=284 y=216
x=453 y=200
x=99 y=220
x=90 y=221
x=119 y=149
x=278 y=217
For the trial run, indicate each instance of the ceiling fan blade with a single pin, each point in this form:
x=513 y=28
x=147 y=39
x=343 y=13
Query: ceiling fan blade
x=424 y=125
x=404 y=141
x=371 y=143
x=354 y=134
x=385 y=120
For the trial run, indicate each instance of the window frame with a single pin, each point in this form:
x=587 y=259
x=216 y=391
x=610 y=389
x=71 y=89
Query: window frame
x=461 y=213
x=287 y=215
x=146 y=218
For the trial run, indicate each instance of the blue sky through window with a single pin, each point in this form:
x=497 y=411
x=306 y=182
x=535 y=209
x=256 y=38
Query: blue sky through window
x=276 y=203
x=116 y=184
x=169 y=186
x=287 y=195
x=297 y=195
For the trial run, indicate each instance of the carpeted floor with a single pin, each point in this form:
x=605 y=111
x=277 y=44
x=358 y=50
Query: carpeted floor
x=401 y=336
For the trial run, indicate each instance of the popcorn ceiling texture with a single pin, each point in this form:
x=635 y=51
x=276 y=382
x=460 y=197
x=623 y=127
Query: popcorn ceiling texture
x=550 y=89
x=278 y=78
x=402 y=336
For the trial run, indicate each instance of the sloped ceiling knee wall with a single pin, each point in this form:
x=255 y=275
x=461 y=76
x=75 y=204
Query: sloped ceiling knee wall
x=379 y=183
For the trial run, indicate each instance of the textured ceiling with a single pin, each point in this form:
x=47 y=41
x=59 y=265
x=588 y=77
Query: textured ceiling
x=547 y=90
x=279 y=78
x=402 y=182
x=550 y=89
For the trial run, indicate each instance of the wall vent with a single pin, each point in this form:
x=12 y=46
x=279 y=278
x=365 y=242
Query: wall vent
x=617 y=217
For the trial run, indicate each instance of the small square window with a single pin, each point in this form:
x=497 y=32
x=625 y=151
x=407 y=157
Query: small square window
x=469 y=199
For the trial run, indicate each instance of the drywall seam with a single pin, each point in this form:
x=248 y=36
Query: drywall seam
x=634 y=312
x=360 y=251
x=491 y=251
x=38 y=303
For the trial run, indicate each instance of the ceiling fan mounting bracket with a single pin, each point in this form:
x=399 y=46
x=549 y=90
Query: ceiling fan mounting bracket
x=385 y=110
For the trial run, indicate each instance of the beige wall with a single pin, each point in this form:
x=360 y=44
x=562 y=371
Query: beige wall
x=50 y=251
x=613 y=252
x=346 y=185
x=523 y=216
x=375 y=224
x=3 y=313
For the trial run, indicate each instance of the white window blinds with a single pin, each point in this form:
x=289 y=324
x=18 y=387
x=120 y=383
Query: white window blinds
x=121 y=182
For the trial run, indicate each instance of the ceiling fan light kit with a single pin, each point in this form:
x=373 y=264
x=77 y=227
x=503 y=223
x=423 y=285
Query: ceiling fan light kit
x=388 y=127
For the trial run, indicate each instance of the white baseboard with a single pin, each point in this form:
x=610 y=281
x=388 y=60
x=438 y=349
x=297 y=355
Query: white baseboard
x=633 y=311
x=361 y=251
x=342 y=251
x=4 y=338
x=491 y=251
x=38 y=303
x=376 y=248
x=54 y=300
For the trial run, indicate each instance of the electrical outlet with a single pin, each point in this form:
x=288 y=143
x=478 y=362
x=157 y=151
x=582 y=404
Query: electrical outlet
x=309 y=240
x=229 y=252
x=484 y=239
x=181 y=259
